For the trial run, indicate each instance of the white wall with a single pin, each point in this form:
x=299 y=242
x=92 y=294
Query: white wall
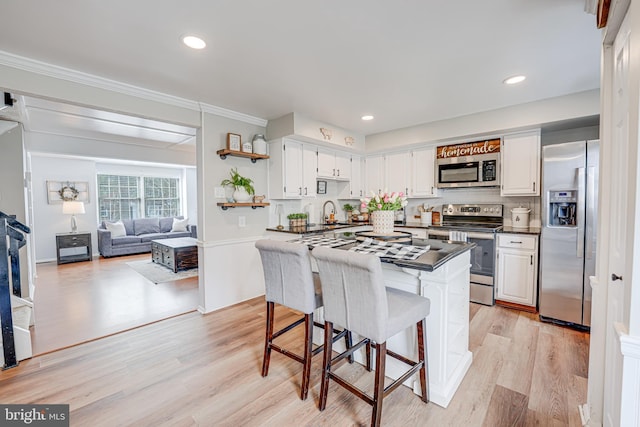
x=190 y=190
x=518 y=117
x=229 y=263
x=48 y=219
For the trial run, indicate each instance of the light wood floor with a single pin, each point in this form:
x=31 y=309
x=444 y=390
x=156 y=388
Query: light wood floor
x=82 y=301
x=205 y=370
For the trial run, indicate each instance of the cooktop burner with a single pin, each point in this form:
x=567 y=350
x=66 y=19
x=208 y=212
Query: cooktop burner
x=472 y=216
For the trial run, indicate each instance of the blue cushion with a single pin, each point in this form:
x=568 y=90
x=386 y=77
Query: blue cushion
x=125 y=240
x=146 y=226
x=153 y=236
x=128 y=225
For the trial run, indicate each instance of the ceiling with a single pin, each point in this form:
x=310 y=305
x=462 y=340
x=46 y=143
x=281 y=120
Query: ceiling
x=405 y=62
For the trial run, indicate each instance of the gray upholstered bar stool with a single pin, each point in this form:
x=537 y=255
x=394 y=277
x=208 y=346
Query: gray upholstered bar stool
x=356 y=298
x=290 y=282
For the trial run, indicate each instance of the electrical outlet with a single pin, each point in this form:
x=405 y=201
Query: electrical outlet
x=242 y=221
x=218 y=192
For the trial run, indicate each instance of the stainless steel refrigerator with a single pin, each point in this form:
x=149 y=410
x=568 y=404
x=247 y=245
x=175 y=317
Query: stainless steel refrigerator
x=568 y=241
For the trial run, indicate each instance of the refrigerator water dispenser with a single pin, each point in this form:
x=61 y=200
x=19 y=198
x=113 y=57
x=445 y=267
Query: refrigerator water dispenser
x=562 y=208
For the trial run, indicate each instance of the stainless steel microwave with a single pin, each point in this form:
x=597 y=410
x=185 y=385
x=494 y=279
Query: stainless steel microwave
x=481 y=170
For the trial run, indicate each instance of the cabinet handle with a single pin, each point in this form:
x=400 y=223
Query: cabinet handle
x=531 y=259
x=615 y=277
x=334 y=172
x=534 y=187
x=300 y=190
x=338 y=172
x=432 y=190
x=512 y=241
x=305 y=191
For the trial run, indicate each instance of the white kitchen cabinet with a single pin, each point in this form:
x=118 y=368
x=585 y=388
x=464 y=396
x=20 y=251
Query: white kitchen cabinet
x=423 y=173
x=309 y=168
x=520 y=164
x=333 y=164
x=517 y=269
x=356 y=187
x=374 y=174
x=292 y=169
x=397 y=172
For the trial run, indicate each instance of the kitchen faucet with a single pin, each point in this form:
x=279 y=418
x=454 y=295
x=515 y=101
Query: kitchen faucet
x=324 y=207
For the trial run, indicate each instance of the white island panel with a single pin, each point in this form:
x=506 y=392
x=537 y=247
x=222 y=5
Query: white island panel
x=447 y=330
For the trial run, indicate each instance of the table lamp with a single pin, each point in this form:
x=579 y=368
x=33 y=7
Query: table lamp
x=73 y=208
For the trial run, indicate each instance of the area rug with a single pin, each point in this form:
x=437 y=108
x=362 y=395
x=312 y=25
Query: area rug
x=158 y=273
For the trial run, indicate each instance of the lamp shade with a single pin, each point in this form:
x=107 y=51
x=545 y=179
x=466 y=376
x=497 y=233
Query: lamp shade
x=72 y=208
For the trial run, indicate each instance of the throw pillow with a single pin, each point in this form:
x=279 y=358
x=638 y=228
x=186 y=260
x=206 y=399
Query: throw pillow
x=179 y=224
x=116 y=228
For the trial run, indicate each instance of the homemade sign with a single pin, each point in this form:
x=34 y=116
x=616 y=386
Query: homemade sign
x=469 y=148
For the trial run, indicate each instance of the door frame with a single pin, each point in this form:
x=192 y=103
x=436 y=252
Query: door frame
x=623 y=381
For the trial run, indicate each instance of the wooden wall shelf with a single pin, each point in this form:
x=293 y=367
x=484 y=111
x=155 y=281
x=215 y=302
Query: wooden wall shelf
x=226 y=206
x=254 y=157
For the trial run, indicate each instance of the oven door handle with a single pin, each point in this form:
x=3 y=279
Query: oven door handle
x=470 y=234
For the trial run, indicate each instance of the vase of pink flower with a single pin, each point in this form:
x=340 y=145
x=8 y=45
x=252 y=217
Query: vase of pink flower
x=382 y=207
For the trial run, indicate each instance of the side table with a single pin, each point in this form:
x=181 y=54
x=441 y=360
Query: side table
x=68 y=247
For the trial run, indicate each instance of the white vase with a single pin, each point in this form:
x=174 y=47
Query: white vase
x=241 y=195
x=259 y=144
x=382 y=221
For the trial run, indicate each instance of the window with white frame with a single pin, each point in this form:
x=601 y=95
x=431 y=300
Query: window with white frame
x=129 y=197
x=161 y=197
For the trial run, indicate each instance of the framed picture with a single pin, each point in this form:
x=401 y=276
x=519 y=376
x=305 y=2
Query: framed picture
x=322 y=187
x=234 y=142
x=59 y=191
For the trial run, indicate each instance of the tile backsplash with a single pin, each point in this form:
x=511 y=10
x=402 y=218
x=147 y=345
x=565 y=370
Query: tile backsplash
x=313 y=206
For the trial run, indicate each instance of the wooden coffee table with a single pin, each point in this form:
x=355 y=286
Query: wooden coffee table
x=176 y=254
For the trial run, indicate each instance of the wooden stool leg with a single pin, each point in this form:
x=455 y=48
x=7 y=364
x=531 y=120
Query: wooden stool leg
x=306 y=363
x=348 y=340
x=422 y=357
x=368 y=354
x=378 y=392
x=326 y=364
x=267 y=339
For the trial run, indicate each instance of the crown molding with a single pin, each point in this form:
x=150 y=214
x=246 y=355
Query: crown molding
x=219 y=111
x=55 y=71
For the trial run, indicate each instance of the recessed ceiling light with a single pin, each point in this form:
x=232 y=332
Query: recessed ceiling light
x=367 y=118
x=194 y=42
x=513 y=80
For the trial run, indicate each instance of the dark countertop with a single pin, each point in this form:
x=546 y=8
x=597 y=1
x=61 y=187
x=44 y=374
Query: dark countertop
x=323 y=228
x=440 y=251
x=315 y=228
x=529 y=230
x=505 y=229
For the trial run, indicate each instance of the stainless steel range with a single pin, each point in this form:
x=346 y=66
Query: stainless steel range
x=477 y=223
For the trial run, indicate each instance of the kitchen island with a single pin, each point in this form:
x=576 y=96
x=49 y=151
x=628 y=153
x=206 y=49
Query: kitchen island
x=442 y=275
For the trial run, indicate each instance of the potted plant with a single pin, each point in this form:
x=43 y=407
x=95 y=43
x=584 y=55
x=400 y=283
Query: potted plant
x=348 y=210
x=381 y=206
x=243 y=186
x=297 y=219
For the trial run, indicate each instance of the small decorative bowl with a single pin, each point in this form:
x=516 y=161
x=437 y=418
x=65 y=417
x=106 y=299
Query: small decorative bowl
x=258 y=199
